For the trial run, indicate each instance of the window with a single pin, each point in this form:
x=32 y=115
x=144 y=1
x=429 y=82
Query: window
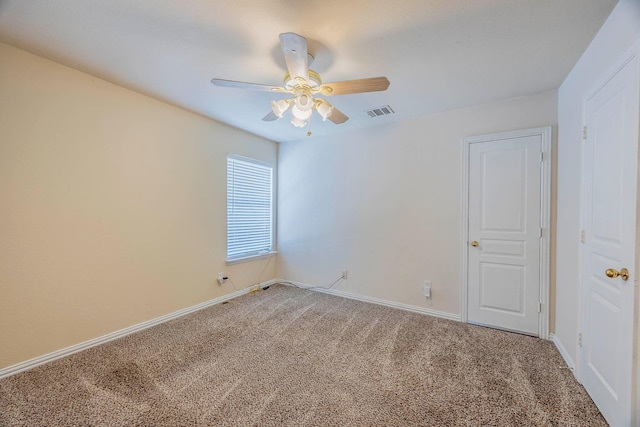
x=249 y=208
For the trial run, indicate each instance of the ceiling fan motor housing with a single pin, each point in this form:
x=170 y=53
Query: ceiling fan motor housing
x=314 y=81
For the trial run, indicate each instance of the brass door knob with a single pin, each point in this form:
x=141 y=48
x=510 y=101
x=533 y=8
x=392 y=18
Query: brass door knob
x=474 y=243
x=613 y=273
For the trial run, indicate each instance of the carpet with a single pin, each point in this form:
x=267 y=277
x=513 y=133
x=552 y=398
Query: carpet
x=288 y=356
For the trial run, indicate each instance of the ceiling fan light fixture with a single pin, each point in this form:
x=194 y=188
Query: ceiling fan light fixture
x=324 y=109
x=297 y=122
x=280 y=107
x=300 y=114
x=304 y=102
x=303 y=98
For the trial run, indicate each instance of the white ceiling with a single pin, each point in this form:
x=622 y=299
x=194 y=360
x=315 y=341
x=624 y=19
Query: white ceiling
x=438 y=54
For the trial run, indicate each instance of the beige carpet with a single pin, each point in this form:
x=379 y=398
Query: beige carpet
x=287 y=356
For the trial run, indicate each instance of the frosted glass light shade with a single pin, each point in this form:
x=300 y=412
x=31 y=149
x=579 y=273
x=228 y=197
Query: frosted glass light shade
x=324 y=109
x=300 y=114
x=299 y=123
x=279 y=107
x=304 y=102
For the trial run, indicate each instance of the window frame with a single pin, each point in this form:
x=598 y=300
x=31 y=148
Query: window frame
x=272 y=211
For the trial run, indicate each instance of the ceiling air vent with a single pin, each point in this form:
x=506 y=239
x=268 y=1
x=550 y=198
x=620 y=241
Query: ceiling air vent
x=380 y=111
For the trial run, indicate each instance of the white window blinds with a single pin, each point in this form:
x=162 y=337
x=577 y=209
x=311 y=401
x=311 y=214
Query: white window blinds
x=249 y=208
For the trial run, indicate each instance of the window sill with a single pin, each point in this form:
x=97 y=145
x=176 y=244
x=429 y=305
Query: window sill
x=250 y=258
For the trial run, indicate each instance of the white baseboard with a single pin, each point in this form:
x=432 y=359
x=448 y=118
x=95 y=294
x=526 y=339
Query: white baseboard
x=401 y=306
x=563 y=352
x=58 y=354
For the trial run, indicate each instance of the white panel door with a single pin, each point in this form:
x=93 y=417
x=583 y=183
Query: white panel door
x=503 y=289
x=609 y=210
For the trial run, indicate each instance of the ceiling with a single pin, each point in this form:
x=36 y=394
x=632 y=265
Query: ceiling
x=438 y=54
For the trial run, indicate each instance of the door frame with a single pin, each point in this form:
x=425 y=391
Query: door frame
x=630 y=54
x=545 y=218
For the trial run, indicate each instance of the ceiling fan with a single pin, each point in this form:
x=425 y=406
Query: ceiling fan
x=304 y=83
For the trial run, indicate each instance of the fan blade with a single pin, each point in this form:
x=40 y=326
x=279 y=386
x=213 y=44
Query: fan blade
x=243 y=85
x=270 y=117
x=294 y=48
x=337 y=116
x=372 y=84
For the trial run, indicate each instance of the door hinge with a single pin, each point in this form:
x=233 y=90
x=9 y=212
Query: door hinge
x=539 y=307
x=580 y=339
x=584 y=132
x=540 y=232
x=582 y=236
x=541 y=157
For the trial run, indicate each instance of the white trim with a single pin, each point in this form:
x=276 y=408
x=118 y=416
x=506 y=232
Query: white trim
x=636 y=415
x=378 y=301
x=59 y=354
x=545 y=224
x=563 y=352
x=250 y=258
x=464 y=233
x=545 y=218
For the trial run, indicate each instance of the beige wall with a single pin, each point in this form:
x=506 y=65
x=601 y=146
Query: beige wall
x=385 y=203
x=112 y=207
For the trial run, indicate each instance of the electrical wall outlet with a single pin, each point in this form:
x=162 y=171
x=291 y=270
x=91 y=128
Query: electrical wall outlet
x=345 y=274
x=220 y=278
x=426 y=287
